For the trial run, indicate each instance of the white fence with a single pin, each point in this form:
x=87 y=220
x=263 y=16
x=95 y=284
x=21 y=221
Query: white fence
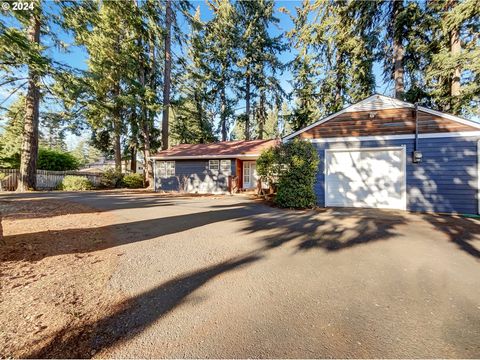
x=46 y=180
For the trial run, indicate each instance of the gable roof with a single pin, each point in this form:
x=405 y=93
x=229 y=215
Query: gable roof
x=382 y=102
x=222 y=149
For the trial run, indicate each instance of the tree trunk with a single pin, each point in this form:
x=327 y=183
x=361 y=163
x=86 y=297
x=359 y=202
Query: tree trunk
x=117 y=129
x=247 y=106
x=455 y=48
x=166 y=78
x=133 y=159
x=398 y=52
x=261 y=116
x=29 y=152
x=223 y=113
x=198 y=107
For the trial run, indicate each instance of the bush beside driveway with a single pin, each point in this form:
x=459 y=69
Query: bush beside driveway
x=231 y=277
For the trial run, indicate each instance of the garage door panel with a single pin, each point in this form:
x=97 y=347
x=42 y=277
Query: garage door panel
x=365 y=178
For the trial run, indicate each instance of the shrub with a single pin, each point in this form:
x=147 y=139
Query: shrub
x=293 y=167
x=111 y=179
x=56 y=160
x=133 y=181
x=75 y=183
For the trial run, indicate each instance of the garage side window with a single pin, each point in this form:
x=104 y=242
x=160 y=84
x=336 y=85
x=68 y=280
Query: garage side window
x=166 y=169
x=225 y=166
x=213 y=165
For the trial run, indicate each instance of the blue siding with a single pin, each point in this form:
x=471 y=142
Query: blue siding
x=194 y=176
x=445 y=181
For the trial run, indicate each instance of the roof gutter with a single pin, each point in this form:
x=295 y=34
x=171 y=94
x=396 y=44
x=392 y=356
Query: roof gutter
x=193 y=157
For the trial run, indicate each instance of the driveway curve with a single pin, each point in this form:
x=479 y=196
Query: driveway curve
x=230 y=277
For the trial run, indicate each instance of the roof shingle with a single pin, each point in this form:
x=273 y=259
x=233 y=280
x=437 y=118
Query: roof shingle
x=222 y=148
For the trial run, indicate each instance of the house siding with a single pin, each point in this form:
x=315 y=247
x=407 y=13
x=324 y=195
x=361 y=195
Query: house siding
x=194 y=176
x=445 y=181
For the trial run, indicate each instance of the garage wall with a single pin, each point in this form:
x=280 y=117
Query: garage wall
x=445 y=181
x=194 y=176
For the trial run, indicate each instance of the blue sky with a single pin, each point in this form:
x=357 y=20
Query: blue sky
x=77 y=56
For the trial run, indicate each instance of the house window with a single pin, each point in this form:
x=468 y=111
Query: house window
x=213 y=165
x=166 y=169
x=225 y=166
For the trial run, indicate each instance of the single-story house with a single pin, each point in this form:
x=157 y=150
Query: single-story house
x=387 y=153
x=221 y=167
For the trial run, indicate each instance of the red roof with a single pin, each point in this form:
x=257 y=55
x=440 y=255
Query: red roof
x=249 y=148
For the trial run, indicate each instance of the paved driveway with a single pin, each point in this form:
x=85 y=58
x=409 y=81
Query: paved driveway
x=231 y=277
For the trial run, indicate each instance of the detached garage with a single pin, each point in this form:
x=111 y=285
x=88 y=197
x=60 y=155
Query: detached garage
x=386 y=153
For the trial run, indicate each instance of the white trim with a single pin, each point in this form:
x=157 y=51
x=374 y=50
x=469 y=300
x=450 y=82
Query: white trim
x=478 y=174
x=173 y=157
x=390 y=103
x=387 y=148
x=396 y=137
x=450 y=117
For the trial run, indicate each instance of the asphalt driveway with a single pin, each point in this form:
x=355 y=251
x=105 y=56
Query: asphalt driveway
x=231 y=277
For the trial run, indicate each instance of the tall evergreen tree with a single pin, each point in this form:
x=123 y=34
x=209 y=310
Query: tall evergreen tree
x=304 y=68
x=454 y=73
x=259 y=60
x=221 y=41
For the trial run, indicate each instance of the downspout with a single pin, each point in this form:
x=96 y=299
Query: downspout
x=417 y=155
x=416 y=127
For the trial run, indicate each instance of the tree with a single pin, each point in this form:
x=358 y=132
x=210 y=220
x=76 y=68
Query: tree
x=11 y=137
x=193 y=120
x=167 y=73
x=259 y=62
x=304 y=69
x=221 y=41
x=453 y=75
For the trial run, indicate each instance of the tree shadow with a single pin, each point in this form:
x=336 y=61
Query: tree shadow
x=38 y=245
x=134 y=315
x=51 y=204
x=461 y=231
x=330 y=230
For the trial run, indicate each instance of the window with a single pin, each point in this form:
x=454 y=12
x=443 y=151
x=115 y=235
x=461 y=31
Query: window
x=225 y=166
x=166 y=169
x=213 y=165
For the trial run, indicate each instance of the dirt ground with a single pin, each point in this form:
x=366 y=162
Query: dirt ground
x=41 y=295
x=141 y=275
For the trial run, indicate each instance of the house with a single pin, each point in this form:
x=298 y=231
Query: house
x=386 y=153
x=221 y=167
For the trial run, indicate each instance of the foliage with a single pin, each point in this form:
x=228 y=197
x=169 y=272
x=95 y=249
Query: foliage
x=75 y=183
x=56 y=160
x=111 y=179
x=292 y=167
x=133 y=181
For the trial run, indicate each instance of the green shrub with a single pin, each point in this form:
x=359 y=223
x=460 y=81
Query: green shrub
x=293 y=167
x=75 y=183
x=133 y=181
x=55 y=160
x=111 y=179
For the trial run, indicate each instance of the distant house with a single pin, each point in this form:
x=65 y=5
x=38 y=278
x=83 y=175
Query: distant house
x=219 y=167
x=387 y=153
x=104 y=164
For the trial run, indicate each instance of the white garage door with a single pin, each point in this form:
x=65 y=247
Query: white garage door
x=373 y=178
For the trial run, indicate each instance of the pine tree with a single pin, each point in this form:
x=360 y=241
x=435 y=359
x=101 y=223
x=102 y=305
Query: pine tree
x=345 y=37
x=259 y=60
x=304 y=69
x=194 y=108
x=221 y=41
x=453 y=75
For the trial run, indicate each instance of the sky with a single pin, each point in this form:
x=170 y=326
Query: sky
x=77 y=56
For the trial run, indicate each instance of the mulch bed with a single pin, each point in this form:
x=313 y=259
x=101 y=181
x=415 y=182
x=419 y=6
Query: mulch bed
x=55 y=264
